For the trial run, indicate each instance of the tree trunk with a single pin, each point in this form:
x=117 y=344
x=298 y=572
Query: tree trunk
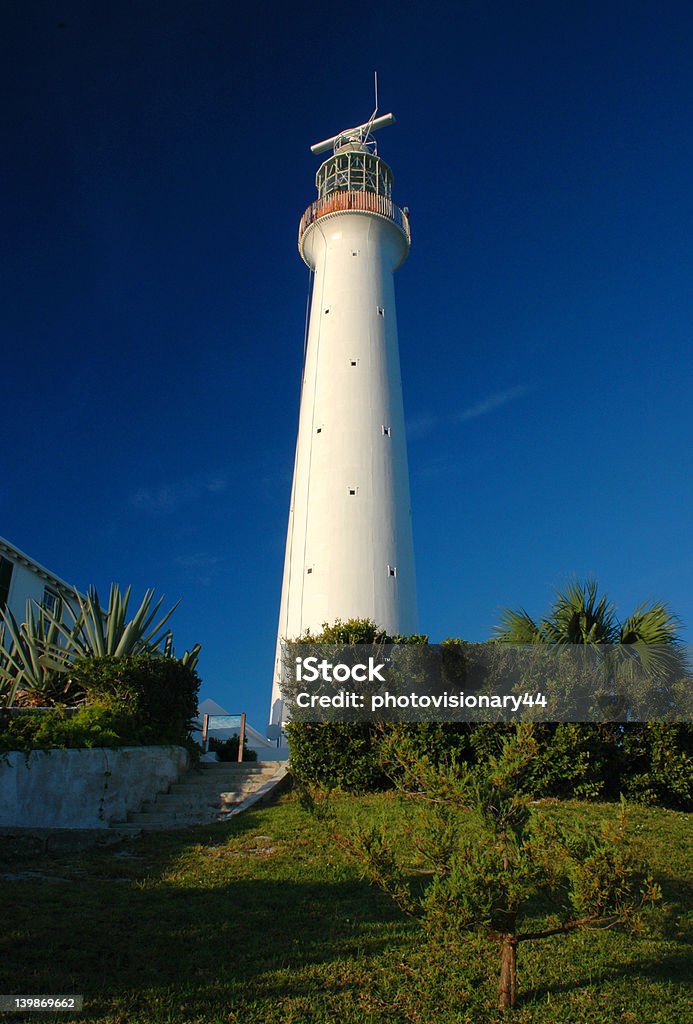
x=507 y=987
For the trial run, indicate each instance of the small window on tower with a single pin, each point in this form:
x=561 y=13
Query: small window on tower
x=381 y=311
x=309 y=570
x=319 y=430
x=353 y=490
x=354 y=362
x=327 y=310
x=354 y=252
x=386 y=431
x=392 y=570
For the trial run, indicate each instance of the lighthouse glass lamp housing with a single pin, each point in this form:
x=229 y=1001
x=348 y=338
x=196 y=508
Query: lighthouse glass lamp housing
x=353 y=168
x=349 y=550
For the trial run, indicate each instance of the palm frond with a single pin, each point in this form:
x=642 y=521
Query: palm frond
x=579 y=616
x=517 y=627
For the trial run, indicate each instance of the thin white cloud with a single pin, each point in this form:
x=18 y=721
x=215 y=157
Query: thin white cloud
x=490 y=404
x=425 y=423
x=420 y=426
x=170 y=497
x=197 y=561
x=200 y=566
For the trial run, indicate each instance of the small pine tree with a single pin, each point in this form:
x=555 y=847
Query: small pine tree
x=484 y=854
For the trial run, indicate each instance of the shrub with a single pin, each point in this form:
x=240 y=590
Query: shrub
x=227 y=750
x=336 y=755
x=649 y=762
x=139 y=699
x=161 y=692
x=104 y=723
x=658 y=763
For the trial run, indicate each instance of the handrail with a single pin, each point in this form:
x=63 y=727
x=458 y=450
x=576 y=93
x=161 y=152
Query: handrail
x=359 y=202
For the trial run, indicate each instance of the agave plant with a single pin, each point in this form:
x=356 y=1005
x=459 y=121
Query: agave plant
x=97 y=632
x=37 y=659
x=43 y=648
x=191 y=657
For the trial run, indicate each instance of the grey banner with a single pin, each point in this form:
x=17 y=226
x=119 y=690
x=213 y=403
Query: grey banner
x=41 y=1004
x=490 y=682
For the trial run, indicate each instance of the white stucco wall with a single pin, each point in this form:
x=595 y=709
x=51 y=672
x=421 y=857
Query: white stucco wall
x=84 y=788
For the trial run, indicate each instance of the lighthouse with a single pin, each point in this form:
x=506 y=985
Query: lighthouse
x=349 y=550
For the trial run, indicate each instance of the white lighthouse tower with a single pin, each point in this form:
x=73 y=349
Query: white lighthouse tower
x=349 y=550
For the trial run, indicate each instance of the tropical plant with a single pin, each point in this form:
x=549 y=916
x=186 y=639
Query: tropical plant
x=98 y=632
x=34 y=667
x=580 y=616
x=643 y=655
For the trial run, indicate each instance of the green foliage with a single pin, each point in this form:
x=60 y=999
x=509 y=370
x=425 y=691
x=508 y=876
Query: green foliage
x=658 y=760
x=139 y=699
x=38 y=665
x=480 y=858
x=227 y=750
x=37 y=658
x=353 y=631
x=100 y=632
x=335 y=755
x=580 y=616
x=341 y=755
x=647 y=762
x=105 y=723
x=161 y=691
x=576 y=760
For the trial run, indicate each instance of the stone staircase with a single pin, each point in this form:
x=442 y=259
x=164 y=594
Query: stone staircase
x=207 y=793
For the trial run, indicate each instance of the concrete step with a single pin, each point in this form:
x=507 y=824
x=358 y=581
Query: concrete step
x=211 y=795
x=178 y=803
x=146 y=821
x=238 y=766
x=210 y=776
x=216 y=785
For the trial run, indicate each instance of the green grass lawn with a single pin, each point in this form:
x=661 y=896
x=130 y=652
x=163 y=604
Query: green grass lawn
x=262 y=920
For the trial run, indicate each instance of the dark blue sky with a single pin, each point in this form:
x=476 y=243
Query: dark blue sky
x=157 y=163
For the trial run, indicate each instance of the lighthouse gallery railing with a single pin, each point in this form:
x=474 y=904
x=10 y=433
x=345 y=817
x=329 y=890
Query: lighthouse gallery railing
x=363 y=202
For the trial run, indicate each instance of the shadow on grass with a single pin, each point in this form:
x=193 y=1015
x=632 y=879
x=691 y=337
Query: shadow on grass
x=167 y=918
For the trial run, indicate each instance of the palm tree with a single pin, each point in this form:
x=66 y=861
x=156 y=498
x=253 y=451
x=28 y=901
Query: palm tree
x=645 y=655
x=579 y=616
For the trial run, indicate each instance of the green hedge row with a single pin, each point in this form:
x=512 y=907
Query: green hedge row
x=650 y=762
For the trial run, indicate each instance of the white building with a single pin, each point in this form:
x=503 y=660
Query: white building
x=349 y=549
x=23 y=579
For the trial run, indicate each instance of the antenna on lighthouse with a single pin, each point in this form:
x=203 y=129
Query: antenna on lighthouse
x=359 y=134
x=375 y=109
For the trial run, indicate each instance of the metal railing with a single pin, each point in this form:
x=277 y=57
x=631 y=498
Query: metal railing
x=359 y=202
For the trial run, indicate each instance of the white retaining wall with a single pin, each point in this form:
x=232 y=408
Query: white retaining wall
x=84 y=788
